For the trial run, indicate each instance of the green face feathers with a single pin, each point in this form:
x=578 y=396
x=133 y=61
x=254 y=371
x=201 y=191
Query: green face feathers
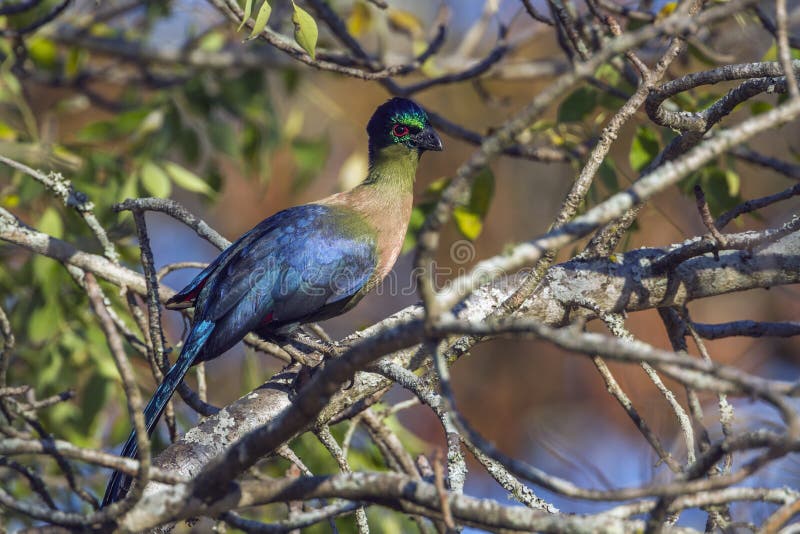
x=406 y=123
x=400 y=121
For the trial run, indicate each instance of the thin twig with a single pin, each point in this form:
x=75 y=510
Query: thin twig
x=156 y=332
x=784 y=52
x=299 y=521
x=62 y=189
x=326 y=438
x=748 y=329
x=439 y=481
x=132 y=396
x=755 y=204
x=705 y=215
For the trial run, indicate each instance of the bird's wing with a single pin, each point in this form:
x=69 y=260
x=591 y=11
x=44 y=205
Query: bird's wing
x=293 y=264
x=186 y=297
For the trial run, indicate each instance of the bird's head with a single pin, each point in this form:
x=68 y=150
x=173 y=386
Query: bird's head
x=401 y=124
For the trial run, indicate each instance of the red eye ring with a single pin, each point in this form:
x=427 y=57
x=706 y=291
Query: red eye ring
x=400 y=130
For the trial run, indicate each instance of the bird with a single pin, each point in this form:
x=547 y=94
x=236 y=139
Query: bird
x=304 y=264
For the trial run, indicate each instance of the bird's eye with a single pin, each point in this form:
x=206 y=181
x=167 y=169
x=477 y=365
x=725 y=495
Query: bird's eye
x=400 y=130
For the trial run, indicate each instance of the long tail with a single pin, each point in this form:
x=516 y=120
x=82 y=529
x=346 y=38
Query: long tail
x=118 y=484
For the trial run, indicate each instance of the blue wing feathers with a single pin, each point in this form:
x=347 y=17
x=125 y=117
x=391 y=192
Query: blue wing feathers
x=298 y=260
x=286 y=270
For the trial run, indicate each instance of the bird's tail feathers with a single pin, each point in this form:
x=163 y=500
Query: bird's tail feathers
x=118 y=485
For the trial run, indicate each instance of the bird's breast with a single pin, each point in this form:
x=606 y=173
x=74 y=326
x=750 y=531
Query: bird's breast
x=388 y=259
x=386 y=213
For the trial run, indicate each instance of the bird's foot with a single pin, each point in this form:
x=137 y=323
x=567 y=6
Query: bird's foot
x=312 y=361
x=313 y=350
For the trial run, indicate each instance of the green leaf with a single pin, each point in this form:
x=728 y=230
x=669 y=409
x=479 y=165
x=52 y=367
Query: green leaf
x=189 y=144
x=759 y=106
x=482 y=192
x=76 y=57
x=9 y=82
x=212 y=42
x=129 y=189
x=93 y=399
x=142 y=121
x=248 y=10
x=418 y=215
x=733 y=181
x=155 y=180
x=469 y=217
x=310 y=156
x=261 y=20
x=577 y=105
x=43 y=322
x=9 y=200
x=541 y=125
x=667 y=9
x=223 y=137
x=771 y=54
x=608 y=175
x=644 y=149
x=7 y=133
x=46 y=274
x=360 y=19
x=49 y=372
x=721 y=187
x=608 y=74
x=468 y=222
x=101 y=359
x=405 y=22
x=51 y=223
x=43 y=52
x=96 y=132
x=436 y=187
x=305 y=30
x=187 y=179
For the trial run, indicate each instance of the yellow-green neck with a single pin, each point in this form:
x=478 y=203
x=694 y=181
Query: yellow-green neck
x=392 y=170
x=384 y=199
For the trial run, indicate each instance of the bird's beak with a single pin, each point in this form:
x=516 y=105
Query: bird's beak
x=428 y=139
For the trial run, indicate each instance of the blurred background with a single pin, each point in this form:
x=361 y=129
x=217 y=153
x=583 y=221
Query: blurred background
x=109 y=95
